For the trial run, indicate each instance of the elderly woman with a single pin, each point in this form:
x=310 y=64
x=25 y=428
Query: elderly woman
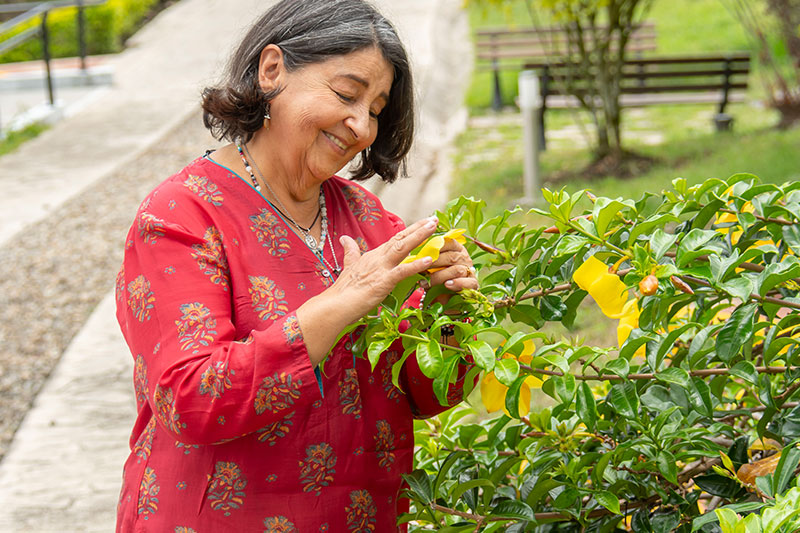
x=241 y=271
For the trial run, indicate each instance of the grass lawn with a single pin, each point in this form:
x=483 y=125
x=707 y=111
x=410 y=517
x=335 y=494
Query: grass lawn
x=16 y=138
x=489 y=153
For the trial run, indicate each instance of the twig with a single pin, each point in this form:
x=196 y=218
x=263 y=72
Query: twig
x=694 y=373
x=787 y=393
x=747 y=411
x=553 y=515
x=763 y=219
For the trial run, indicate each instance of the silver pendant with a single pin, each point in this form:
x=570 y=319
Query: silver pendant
x=311 y=241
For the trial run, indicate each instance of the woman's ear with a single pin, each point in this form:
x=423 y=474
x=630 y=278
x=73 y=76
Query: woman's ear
x=270 y=68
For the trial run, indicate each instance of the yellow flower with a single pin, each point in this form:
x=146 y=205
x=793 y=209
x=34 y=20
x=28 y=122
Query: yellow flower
x=604 y=287
x=628 y=322
x=493 y=393
x=728 y=218
x=433 y=246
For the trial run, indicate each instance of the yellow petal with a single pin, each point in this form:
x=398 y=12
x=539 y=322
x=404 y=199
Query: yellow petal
x=431 y=248
x=589 y=272
x=610 y=294
x=527 y=352
x=493 y=393
x=628 y=321
x=533 y=382
x=456 y=235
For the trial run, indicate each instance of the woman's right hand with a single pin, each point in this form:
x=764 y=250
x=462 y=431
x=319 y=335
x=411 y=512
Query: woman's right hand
x=366 y=279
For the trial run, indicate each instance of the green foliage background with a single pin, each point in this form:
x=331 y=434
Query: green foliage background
x=107 y=27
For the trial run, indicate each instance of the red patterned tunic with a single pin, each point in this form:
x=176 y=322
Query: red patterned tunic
x=235 y=432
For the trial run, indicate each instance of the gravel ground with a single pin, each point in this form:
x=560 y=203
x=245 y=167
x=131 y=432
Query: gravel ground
x=57 y=270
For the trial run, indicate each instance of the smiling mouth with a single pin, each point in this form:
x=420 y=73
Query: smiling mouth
x=336 y=141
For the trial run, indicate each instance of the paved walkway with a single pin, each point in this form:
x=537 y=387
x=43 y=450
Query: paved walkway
x=62 y=472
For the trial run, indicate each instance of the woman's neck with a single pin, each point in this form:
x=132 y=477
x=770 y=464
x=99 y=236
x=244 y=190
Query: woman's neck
x=296 y=195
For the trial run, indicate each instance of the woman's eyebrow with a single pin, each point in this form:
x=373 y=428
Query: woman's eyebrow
x=365 y=83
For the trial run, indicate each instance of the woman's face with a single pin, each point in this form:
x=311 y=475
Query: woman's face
x=328 y=113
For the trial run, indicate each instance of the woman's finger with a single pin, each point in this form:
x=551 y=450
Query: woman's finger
x=453 y=257
x=398 y=247
x=351 y=250
x=440 y=277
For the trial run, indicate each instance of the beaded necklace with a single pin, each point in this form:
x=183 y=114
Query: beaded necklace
x=317 y=248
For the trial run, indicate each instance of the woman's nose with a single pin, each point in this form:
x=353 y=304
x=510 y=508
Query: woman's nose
x=359 y=123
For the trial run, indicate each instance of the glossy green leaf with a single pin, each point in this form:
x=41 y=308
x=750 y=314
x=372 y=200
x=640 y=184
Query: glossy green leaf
x=429 y=358
x=459 y=489
x=625 y=400
x=506 y=370
x=718 y=485
x=512 y=396
x=675 y=375
x=777 y=273
x=745 y=370
x=586 y=406
x=661 y=242
x=667 y=466
x=483 y=354
x=784 y=472
x=736 y=332
x=441 y=383
x=604 y=212
x=665 y=522
x=512 y=509
x=607 y=500
x=694 y=244
x=791 y=236
x=420 y=485
x=375 y=350
x=619 y=367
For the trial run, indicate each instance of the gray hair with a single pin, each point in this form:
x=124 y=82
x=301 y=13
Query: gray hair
x=312 y=31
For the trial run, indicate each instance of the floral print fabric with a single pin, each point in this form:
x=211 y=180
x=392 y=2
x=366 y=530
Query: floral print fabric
x=235 y=431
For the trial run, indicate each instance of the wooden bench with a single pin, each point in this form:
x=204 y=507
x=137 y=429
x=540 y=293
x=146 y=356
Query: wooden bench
x=718 y=79
x=503 y=48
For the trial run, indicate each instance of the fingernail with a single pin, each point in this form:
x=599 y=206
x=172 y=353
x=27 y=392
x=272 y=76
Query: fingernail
x=449 y=283
x=432 y=222
x=426 y=261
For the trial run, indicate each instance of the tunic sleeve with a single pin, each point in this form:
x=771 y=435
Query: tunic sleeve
x=203 y=384
x=418 y=387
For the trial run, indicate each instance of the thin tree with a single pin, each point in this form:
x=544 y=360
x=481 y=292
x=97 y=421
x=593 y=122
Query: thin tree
x=782 y=82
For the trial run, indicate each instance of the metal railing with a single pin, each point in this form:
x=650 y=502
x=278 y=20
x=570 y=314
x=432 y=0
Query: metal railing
x=30 y=10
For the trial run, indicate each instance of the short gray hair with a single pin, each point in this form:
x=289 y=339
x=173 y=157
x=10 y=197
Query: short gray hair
x=311 y=31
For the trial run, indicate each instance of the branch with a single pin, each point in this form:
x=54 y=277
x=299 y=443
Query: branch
x=748 y=411
x=763 y=219
x=694 y=373
x=753 y=296
x=554 y=515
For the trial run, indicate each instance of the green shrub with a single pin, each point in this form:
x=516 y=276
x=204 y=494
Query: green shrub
x=107 y=27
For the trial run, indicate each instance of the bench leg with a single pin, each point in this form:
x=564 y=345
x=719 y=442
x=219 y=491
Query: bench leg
x=497 y=94
x=542 y=140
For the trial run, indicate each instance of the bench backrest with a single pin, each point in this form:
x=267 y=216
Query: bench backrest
x=722 y=72
x=504 y=46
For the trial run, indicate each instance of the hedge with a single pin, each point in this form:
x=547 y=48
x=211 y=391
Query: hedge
x=107 y=27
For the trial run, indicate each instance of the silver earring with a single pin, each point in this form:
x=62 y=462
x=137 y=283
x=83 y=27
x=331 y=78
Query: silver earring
x=267 y=117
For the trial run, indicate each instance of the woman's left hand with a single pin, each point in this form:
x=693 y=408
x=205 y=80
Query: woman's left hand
x=454 y=268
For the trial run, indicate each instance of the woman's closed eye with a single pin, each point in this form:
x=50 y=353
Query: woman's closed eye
x=351 y=99
x=345 y=98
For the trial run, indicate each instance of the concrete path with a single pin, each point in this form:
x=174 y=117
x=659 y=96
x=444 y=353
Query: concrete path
x=63 y=470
